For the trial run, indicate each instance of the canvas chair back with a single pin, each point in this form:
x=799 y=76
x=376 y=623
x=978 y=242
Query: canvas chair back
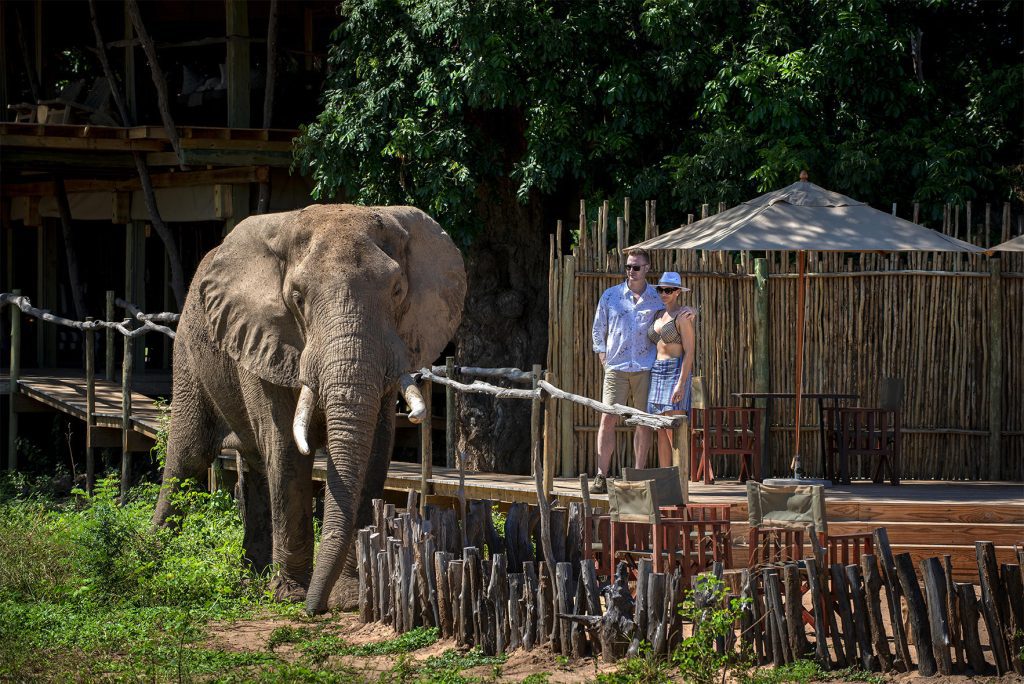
x=892 y=394
x=667 y=486
x=633 y=502
x=789 y=506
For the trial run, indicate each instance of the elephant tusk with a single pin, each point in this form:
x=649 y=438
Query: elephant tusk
x=303 y=414
x=411 y=392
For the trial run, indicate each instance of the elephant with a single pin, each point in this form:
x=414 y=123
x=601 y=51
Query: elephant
x=297 y=333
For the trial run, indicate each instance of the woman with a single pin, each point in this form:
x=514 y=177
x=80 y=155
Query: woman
x=671 y=376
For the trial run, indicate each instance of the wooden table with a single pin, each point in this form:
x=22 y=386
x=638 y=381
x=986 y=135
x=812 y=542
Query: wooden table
x=833 y=399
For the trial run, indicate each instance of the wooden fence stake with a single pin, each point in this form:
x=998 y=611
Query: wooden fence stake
x=893 y=592
x=873 y=588
x=938 y=621
x=15 y=376
x=968 y=601
x=126 y=412
x=919 y=626
x=993 y=605
x=996 y=378
x=426 y=444
x=449 y=414
x=108 y=368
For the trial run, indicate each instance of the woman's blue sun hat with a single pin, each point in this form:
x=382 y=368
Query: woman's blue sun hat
x=672 y=279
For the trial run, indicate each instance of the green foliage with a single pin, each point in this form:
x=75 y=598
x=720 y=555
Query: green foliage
x=287 y=634
x=799 y=672
x=413 y=640
x=536 y=678
x=644 y=668
x=447 y=667
x=448 y=105
x=159 y=449
x=712 y=618
x=87 y=583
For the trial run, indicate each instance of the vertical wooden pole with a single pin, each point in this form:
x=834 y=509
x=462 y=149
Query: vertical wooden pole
x=625 y=211
x=538 y=477
x=135 y=279
x=1006 y=222
x=90 y=405
x=108 y=368
x=988 y=224
x=681 y=454
x=126 y=411
x=426 y=445
x=620 y=241
x=968 y=227
x=237 y=67
x=567 y=366
x=917 y=212
x=762 y=353
x=449 y=414
x=551 y=433
x=12 y=414
x=995 y=369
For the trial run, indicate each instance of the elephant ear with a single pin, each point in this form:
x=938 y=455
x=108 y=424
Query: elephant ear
x=241 y=293
x=437 y=286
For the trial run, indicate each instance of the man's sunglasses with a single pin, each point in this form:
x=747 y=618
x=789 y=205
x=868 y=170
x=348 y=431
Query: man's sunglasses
x=634 y=267
x=666 y=290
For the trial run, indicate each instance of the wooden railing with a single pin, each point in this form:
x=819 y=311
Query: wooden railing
x=146 y=323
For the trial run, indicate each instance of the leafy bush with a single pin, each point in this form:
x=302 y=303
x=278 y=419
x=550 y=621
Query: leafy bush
x=712 y=618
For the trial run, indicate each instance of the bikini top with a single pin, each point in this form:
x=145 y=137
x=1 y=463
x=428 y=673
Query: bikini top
x=668 y=333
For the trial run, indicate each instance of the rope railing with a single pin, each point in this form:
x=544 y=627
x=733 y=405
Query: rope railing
x=146 y=320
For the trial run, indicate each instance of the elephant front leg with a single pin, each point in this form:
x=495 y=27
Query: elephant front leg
x=289 y=476
x=345 y=593
x=253 y=495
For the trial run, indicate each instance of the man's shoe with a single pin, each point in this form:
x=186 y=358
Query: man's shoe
x=599 y=485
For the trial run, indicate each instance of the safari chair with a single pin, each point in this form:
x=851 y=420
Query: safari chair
x=639 y=530
x=778 y=516
x=668 y=488
x=713 y=522
x=722 y=431
x=872 y=432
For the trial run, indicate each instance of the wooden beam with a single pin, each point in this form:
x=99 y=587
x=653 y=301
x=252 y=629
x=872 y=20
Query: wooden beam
x=995 y=374
x=224 y=158
x=238 y=65
x=68 y=142
x=177 y=179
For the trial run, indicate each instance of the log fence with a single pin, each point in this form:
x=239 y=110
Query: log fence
x=521 y=590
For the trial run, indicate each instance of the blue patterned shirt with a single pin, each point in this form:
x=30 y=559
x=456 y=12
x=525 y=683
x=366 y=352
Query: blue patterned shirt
x=620 y=328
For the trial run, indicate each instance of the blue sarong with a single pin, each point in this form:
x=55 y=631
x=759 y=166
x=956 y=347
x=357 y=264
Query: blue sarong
x=663 y=380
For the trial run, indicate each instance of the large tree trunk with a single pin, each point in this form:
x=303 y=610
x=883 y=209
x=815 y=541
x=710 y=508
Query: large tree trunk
x=504 y=324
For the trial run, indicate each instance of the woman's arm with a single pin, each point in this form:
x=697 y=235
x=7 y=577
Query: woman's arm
x=686 y=333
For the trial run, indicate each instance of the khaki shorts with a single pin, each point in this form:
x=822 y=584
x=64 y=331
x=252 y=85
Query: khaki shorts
x=629 y=388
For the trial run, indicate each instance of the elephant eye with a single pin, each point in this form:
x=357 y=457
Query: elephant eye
x=397 y=290
x=297 y=298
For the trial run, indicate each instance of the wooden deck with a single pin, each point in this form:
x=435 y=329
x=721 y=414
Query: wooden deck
x=65 y=392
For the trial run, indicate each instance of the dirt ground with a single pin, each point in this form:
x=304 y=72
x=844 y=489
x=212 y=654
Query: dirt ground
x=253 y=635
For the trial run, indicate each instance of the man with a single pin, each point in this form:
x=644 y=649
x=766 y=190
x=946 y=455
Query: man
x=620 y=340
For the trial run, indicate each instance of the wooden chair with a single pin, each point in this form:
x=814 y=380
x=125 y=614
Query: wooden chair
x=780 y=515
x=713 y=522
x=638 y=530
x=873 y=432
x=722 y=431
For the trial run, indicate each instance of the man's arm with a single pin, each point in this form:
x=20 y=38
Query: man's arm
x=599 y=333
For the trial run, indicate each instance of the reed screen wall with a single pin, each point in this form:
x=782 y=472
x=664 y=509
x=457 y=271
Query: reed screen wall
x=939 y=321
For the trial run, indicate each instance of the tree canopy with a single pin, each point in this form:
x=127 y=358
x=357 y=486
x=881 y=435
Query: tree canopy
x=684 y=101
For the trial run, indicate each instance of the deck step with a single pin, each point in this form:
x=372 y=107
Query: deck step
x=937 y=533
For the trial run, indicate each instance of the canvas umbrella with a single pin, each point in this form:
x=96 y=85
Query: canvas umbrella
x=804 y=217
x=1014 y=245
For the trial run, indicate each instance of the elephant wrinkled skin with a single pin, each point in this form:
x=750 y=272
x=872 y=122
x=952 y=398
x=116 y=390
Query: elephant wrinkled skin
x=334 y=303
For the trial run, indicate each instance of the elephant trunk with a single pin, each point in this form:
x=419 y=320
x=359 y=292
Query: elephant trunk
x=351 y=400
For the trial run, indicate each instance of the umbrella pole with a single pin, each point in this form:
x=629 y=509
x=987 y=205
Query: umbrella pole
x=801 y=259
